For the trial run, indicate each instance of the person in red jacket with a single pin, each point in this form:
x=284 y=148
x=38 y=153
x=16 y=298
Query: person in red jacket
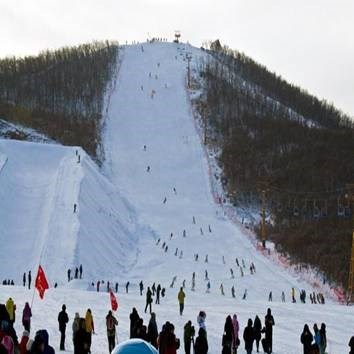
x=167 y=341
x=24 y=341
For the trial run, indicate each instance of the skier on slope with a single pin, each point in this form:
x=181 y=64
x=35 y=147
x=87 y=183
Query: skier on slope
x=141 y=287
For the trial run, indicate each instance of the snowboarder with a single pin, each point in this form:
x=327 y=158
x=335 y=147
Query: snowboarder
x=148 y=300
x=141 y=287
x=80 y=271
x=63 y=319
x=111 y=323
x=181 y=297
x=69 y=274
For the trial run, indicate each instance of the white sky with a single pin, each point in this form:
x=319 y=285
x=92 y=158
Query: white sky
x=308 y=42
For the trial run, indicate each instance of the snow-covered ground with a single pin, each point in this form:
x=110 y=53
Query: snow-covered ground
x=122 y=214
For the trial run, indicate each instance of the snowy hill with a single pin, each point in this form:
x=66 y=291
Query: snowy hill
x=154 y=182
x=40 y=184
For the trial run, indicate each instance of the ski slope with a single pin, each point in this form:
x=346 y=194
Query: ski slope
x=39 y=185
x=121 y=215
x=163 y=122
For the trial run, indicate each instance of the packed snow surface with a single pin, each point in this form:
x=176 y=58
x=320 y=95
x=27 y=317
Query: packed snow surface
x=155 y=182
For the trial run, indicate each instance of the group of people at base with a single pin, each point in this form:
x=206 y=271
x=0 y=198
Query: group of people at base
x=252 y=333
x=316 y=343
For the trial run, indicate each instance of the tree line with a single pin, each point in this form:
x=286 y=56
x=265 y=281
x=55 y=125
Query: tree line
x=268 y=130
x=60 y=93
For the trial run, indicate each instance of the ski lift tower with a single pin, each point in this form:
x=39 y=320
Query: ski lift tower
x=177 y=36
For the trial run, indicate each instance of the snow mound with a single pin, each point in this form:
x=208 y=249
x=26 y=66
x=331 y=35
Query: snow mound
x=39 y=185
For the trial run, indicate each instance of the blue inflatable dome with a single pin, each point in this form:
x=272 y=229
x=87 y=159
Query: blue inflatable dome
x=134 y=346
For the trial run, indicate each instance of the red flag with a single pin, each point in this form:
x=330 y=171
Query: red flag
x=41 y=282
x=114 y=303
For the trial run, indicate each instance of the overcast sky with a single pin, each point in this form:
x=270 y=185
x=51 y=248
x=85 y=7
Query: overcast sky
x=308 y=42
